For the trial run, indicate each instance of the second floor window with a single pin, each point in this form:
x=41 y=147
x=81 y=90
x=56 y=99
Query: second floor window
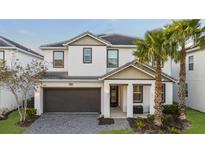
x=87 y=55
x=58 y=59
x=112 y=58
x=163 y=93
x=2 y=55
x=191 y=63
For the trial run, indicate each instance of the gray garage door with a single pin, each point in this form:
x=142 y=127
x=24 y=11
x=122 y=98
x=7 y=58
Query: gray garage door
x=71 y=99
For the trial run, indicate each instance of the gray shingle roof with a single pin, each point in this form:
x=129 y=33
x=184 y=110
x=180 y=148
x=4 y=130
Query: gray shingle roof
x=15 y=44
x=118 y=39
x=114 y=39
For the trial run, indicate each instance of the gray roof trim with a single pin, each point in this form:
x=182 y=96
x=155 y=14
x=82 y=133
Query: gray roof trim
x=7 y=43
x=64 y=75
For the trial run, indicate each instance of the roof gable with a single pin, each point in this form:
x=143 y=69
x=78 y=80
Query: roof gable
x=87 y=35
x=87 y=40
x=131 y=72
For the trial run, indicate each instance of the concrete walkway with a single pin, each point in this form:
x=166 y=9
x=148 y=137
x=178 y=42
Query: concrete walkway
x=68 y=123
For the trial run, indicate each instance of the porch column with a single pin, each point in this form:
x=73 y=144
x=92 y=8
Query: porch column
x=106 y=100
x=38 y=100
x=152 y=91
x=130 y=100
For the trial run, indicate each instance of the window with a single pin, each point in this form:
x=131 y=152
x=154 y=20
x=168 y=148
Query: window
x=186 y=90
x=58 y=59
x=2 y=55
x=163 y=93
x=87 y=55
x=112 y=58
x=191 y=63
x=137 y=94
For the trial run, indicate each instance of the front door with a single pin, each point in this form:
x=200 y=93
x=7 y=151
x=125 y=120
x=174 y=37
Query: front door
x=113 y=96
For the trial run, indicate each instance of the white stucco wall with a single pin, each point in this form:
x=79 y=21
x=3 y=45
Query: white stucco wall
x=175 y=74
x=76 y=67
x=196 y=81
x=169 y=93
x=48 y=58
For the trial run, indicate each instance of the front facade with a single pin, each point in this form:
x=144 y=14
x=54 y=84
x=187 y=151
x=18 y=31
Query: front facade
x=10 y=52
x=98 y=73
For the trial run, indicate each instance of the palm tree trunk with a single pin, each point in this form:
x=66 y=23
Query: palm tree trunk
x=157 y=99
x=182 y=80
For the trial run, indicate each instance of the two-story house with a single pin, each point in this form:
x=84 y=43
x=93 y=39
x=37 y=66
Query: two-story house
x=195 y=81
x=98 y=73
x=11 y=52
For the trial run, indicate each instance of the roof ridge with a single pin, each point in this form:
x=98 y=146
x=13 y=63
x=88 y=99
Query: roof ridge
x=110 y=34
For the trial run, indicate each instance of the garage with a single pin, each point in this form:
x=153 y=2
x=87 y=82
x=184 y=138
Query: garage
x=71 y=99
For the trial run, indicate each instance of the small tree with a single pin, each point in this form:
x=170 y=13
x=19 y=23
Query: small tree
x=21 y=81
x=30 y=79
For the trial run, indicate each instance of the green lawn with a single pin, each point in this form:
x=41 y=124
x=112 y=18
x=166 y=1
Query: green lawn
x=198 y=122
x=122 y=131
x=9 y=126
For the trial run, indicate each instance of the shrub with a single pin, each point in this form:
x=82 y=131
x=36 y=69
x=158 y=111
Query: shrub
x=150 y=118
x=30 y=102
x=171 y=109
x=167 y=119
x=172 y=130
x=140 y=123
x=30 y=113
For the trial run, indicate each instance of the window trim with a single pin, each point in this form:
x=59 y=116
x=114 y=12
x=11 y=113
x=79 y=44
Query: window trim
x=142 y=93
x=164 y=88
x=84 y=62
x=117 y=58
x=54 y=59
x=3 y=54
x=191 y=63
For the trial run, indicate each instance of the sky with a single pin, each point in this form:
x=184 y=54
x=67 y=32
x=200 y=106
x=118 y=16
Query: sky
x=33 y=33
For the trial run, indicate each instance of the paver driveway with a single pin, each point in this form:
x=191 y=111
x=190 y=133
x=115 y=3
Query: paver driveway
x=67 y=123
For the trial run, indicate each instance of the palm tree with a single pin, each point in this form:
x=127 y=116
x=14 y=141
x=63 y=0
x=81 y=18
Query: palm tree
x=181 y=32
x=154 y=46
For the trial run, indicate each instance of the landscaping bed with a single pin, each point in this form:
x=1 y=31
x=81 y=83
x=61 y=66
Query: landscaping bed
x=105 y=121
x=171 y=124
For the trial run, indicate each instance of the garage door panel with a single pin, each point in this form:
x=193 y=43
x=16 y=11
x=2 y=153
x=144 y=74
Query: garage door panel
x=72 y=100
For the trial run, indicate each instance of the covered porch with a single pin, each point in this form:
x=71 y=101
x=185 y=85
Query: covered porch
x=128 y=98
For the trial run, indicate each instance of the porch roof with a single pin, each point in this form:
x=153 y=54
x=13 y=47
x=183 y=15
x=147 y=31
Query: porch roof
x=147 y=69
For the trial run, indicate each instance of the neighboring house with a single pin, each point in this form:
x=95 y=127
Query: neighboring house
x=195 y=79
x=98 y=73
x=11 y=51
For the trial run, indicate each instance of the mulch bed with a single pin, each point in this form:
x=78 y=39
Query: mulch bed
x=105 y=121
x=27 y=123
x=148 y=127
